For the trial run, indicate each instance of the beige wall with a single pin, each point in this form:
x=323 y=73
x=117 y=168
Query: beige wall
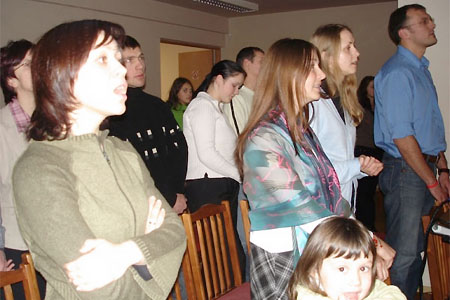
x=148 y=21
x=169 y=65
x=368 y=22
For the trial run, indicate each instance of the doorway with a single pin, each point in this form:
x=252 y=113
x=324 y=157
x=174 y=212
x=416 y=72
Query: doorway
x=183 y=60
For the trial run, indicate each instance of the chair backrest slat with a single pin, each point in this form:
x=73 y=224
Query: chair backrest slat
x=245 y=208
x=25 y=274
x=438 y=253
x=211 y=249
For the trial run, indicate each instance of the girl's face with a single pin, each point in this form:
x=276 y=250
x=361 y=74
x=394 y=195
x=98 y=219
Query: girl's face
x=313 y=82
x=346 y=279
x=185 y=94
x=228 y=88
x=348 y=54
x=100 y=87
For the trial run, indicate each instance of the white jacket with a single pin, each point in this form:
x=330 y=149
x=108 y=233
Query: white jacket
x=210 y=139
x=12 y=145
x=338 y=142
x=242 y=105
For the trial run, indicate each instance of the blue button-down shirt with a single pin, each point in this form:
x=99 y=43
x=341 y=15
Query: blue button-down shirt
x=406 y=104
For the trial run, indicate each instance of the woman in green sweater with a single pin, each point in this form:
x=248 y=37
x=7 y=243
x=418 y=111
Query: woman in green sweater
x=180 y=96
x=86 y=204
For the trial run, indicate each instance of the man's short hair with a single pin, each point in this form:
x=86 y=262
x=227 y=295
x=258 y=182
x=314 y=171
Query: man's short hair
x=397 y=20
x=10 y=57
x=130 y=42
x=247 y=53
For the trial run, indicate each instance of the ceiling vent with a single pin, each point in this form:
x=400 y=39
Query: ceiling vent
x=240 y=6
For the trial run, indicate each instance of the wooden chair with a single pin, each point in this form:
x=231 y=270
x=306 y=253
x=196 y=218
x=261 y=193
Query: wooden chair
x=438 y=253
x=245 y=221
x=25 y=274
x=211 y=248
x=188 y=281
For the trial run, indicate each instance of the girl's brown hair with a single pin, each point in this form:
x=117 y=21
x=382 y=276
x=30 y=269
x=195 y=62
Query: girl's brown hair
x=281 y=83
x=334 y=237
x=328 y=39
x=57 y=59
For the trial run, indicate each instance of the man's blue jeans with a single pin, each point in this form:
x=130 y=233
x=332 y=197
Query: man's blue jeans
x=406 y=200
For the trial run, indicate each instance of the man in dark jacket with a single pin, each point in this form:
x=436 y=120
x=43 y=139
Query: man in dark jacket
x=151 y=128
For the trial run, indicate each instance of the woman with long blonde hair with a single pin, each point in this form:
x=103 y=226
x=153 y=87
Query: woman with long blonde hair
x=335 y=117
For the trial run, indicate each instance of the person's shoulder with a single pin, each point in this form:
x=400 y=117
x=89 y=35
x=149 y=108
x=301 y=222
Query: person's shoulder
x=120 y=145
x=5 y=115
x=154 y=99
x=397 y=63
x=269 y=131
x=202 y=102
x=382 y=291
x=39 y=156
x=304 y=293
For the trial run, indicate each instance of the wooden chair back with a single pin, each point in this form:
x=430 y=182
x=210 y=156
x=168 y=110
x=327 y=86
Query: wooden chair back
x=438 y=253
x=245 y=208
x=211 y=248
x=25 y=274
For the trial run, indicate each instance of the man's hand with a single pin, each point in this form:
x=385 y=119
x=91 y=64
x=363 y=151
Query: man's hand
x=5 y=265
x=180 y=204
x=444 y=182
x=370 y=165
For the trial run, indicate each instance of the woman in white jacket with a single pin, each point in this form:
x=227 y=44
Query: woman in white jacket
x=212 y=174
x=335 y=118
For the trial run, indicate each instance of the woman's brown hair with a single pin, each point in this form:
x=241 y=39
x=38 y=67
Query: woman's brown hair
x=57 y=59
x=328 y=39
x=334 y=237
x=281 y=83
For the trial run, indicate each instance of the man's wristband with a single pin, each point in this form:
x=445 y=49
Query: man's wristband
x=443 y=170
x=433 y=185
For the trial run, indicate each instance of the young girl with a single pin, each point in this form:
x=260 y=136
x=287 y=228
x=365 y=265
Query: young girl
x=180 y=96
x=338 y=263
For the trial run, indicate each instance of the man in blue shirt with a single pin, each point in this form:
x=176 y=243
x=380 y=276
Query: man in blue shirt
x=409 y=128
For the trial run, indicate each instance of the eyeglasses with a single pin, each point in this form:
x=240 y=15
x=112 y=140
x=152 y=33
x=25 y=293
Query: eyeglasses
x=423 y=22
x=132 y=59
x=26 y=63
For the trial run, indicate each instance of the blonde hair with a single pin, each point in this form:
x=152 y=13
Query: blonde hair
x=281 y=83
x=328 y=39
x=334 y=237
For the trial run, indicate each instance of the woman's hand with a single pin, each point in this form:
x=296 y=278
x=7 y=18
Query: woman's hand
x=385 y=258
x=101 y=263
x=370 y=165
x=5 y=265
x=156 y=214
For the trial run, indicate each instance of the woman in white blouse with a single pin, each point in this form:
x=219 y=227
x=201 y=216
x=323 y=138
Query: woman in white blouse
x=335 y=118
x=212 y=174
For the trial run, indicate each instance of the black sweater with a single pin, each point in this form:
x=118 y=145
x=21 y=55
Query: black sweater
x=150 y=127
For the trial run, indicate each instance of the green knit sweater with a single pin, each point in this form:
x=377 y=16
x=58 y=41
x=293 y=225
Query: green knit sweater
x=71 y=190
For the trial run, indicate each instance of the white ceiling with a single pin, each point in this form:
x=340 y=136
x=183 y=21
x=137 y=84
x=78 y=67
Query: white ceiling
x=270 y=6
